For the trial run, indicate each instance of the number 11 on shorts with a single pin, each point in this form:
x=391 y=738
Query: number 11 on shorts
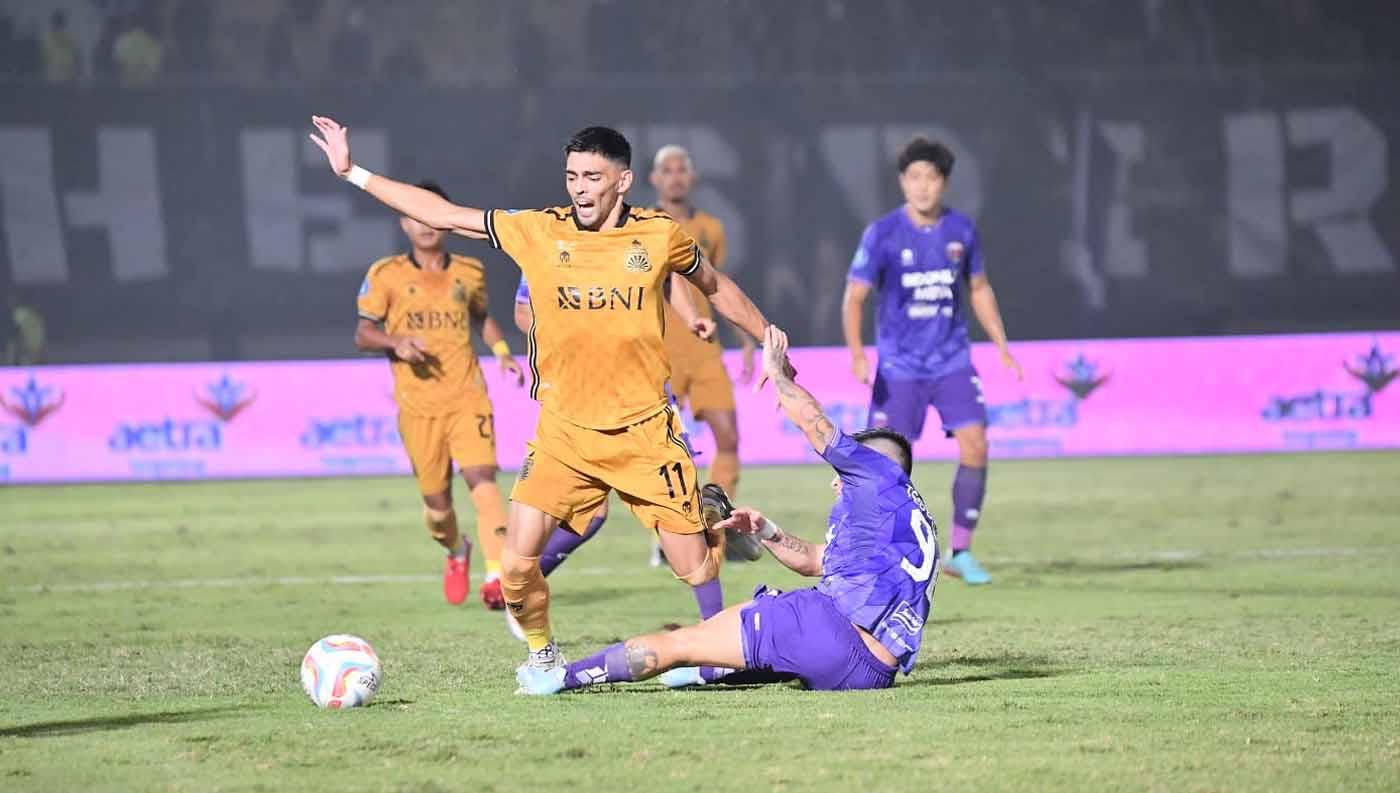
x=665 y=473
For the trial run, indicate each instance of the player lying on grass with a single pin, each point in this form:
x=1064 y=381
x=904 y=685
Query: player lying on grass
x=862 y=622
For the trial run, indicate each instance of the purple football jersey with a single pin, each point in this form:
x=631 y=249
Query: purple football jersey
x=918 y=274
x=881 y=558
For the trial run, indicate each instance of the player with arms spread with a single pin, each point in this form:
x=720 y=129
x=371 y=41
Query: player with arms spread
x=917 y=259
x=698 y=377
x=419 y=308
x=860 y=625
x=597 y=270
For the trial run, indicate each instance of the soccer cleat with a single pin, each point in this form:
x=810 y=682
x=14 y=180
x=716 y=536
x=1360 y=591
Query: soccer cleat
x=964 y=565
x=547 y=659
x=715 y=507
x=537 y=682
x=658 y=556
x=682 y=677
x=456 y=579
x=491 y=595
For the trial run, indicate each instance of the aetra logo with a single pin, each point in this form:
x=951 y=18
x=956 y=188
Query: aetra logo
x=357 y=431
x=1375 y=370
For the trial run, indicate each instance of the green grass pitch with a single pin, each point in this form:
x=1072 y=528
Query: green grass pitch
x=1193 y=624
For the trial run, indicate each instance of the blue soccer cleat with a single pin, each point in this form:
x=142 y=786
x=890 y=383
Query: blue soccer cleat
x=682 y=677
x=964 y=565
x=539 y=682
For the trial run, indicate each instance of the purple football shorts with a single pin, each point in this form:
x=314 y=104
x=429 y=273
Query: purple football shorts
x=802 y=633
x=902 y=404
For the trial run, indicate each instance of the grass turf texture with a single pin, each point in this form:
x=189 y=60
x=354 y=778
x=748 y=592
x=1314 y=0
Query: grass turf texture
x=1175 y=625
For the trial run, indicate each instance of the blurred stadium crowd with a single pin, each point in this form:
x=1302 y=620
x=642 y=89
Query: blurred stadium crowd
x=492 y=43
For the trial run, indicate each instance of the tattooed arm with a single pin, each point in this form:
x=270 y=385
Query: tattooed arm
x=797 y=403
x=796 y=554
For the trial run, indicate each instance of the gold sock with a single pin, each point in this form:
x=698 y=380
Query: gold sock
x=527 y=596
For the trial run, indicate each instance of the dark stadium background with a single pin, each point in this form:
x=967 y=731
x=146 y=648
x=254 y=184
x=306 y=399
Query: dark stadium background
x=1137 y=167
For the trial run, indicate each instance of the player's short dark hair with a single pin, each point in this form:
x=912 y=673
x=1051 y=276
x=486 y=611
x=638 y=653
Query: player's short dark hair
x=935 y=153
x=433 y=187
x=906 y=451
x=601 y=140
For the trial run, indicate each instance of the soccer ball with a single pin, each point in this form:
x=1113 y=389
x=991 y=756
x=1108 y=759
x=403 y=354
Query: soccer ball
x=341 y=671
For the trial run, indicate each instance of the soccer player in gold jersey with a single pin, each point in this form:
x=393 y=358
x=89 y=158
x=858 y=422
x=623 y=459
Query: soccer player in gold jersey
x=419 y=308
x=596 y=270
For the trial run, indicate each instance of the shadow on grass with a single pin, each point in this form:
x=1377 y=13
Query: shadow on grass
x=990 y=667
x=104 y=723
x=1085 y=566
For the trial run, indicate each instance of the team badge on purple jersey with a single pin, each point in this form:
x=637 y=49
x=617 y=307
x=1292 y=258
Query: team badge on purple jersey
x=918 y=274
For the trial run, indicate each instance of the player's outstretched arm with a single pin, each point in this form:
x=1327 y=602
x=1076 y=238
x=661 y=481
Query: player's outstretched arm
x=852 y=315
x=422 y=205
x=728 y=299
x=984 y=305
x=795 y=553
x=797 y=403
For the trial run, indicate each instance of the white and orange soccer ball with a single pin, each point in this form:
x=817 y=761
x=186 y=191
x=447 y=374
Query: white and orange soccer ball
x=341 y=671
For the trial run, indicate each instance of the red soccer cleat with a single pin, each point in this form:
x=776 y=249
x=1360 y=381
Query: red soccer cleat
x=456 y=579
x=491 y=595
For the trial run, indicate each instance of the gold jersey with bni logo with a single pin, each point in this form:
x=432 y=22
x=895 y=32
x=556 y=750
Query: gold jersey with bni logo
x=684 y=347
x=597 y=349
x=435 y=306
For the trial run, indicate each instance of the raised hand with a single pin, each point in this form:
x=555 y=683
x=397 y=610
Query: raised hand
x=334 y=141
x=775 y=362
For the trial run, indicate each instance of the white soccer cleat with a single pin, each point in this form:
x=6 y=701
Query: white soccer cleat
x=682 y=677
x=545 y=659
x=539 y=682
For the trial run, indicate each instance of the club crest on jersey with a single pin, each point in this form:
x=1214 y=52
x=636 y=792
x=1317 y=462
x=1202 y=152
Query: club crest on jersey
x=906 y=257
x=566 y=250
x=459 y=292
x=955 y=251
x=637 y=259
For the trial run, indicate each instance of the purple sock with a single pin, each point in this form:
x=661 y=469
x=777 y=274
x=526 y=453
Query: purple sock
x=709 y=597
x=969 y=487
x=608 y=666
x=564 y=542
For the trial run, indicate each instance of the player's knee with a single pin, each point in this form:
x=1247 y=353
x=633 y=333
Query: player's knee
x=707 y=571
x=974 y=449
x=477 y=475
x=517 y=571
x=724 y=426
x=441 y=502
x=726 y=439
